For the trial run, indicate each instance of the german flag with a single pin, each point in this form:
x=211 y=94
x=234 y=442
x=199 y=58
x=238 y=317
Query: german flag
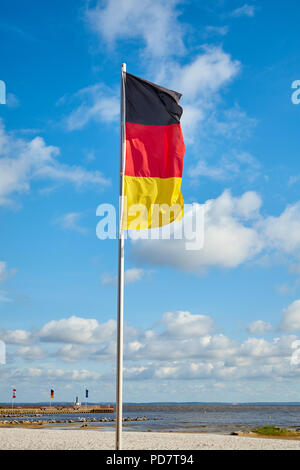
x=51 y=393
x=154 y=155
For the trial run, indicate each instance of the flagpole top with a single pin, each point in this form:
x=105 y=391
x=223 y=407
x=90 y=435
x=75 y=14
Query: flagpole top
x=123 y=67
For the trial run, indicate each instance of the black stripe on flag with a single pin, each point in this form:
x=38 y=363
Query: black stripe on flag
x=150 y=104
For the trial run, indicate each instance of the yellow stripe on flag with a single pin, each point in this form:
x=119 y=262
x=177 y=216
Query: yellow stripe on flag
x=150 y=193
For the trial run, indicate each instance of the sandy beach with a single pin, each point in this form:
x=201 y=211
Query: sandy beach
x=46 y=439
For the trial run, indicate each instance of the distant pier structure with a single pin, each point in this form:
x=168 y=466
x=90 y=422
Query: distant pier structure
x=55 y=409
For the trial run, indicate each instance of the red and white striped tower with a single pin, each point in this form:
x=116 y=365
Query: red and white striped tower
x=14 y=395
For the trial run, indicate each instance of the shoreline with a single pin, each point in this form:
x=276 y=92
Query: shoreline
x=85 y=439
x=47 y=439
x=99 y=427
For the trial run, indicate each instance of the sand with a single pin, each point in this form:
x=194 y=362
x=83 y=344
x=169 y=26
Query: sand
x=49 y=439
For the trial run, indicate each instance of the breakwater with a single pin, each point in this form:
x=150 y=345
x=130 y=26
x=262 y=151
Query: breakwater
x=52 y=410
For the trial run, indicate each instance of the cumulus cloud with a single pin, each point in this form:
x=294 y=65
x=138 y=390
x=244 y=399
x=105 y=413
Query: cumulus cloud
x=16 y=336
x=258 y=347
x=230 y=237
x=77 y=330
x=234 y=232
x=166 y=347
x=184 y=324
x=31 y=353
x=200 y=81
x=181 y=346
x=259 y=327
x=255 y=359
x=153 y=23
x=291 y=317
x=72 y=353
x=24 y=161
x=206 y=74
x=282 y=232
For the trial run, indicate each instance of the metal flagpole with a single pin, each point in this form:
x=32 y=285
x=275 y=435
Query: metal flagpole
x=119 y=398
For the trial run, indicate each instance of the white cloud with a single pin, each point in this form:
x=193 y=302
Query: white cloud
x=172 y=346
x=234 y=233
x=63 y=375
x=97 y=103
x=257 y=347
x=131 y=275
x=22 y=162
x=181 y=346
x=205 y=75
x=153 y=23
x=77 y=330
x=16 y=336
x=229 y=238
x=106 y=353
x=259 y=327
x=254 y=359
x=184 y=324
x=291 y=317
x=71 y=221
x=200 y=81
x=245 y=10
x=226 y=360
x=71 y=353
x=31 y=353
x=283 y=232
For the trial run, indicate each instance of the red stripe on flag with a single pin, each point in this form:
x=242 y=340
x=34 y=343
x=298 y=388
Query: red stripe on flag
x=154 y=151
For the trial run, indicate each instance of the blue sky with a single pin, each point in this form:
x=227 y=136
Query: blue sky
x=219 y=324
